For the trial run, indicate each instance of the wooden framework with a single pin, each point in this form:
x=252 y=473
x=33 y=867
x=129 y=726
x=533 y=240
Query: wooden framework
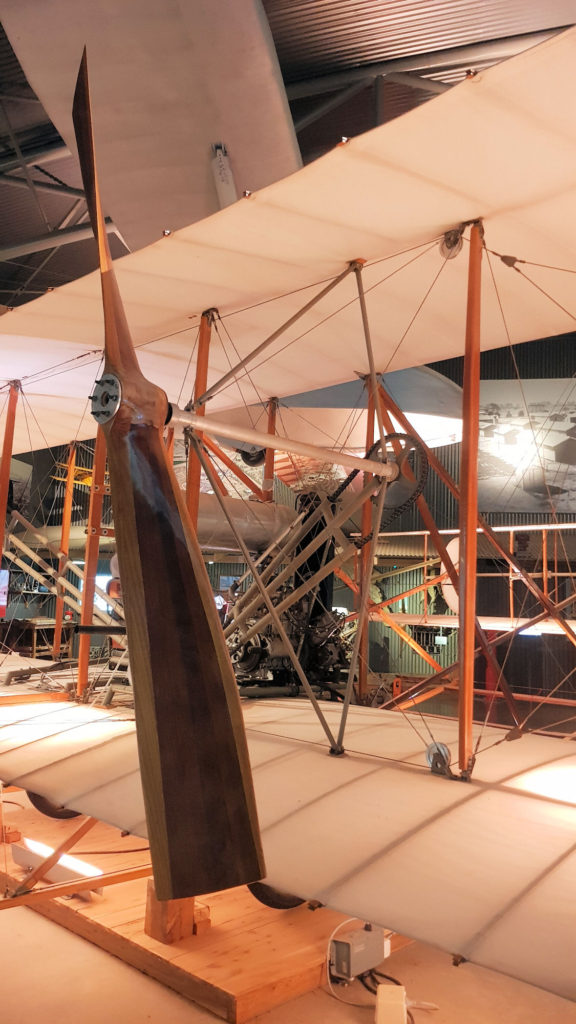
x=282 y=953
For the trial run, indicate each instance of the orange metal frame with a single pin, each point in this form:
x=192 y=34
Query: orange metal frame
x=365 y=567
x=379 y=611
x=553 y=610
x=215 y=450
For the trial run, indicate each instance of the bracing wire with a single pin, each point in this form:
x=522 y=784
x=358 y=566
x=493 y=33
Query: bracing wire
x=188 y=365
x=96 y=354
x=243 y=399
x=329 y=316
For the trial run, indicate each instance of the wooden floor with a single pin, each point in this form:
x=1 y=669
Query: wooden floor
x=250 y=960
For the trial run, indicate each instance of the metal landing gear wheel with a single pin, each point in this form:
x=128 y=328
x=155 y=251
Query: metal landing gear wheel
x=253 y=458
x=49 y=809
x=273 y=898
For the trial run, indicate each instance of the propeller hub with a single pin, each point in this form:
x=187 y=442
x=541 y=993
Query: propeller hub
x=106 y=398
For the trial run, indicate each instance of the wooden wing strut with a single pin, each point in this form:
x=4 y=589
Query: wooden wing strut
x=196 y=778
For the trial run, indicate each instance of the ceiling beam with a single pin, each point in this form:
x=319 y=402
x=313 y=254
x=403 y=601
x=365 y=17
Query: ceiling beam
x=42 y=186
x=41 y=155
x=417 y=82
x=15 y=98
x=331 y=104
x=67 y=236
x=437 y=61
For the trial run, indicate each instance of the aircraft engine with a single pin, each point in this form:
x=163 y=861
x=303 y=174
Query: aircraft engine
x=321 y=643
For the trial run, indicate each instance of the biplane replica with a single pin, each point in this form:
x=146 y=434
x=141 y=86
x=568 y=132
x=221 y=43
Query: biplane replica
x=444 y=232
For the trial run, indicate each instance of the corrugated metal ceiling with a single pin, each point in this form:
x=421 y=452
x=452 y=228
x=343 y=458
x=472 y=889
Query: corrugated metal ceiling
x=316 y=37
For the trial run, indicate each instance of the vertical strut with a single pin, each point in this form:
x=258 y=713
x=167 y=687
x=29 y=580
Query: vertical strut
x=91 y=557
x=469 y=501
x=268 y=481
x=200 y=384
x=365 y=565
x=372 y=376
x=64 y=547
x=169 y=442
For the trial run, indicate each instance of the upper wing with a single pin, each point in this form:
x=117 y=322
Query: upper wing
x=500 y=146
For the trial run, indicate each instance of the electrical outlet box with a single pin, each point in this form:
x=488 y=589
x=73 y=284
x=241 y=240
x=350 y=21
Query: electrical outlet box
x=357 y=951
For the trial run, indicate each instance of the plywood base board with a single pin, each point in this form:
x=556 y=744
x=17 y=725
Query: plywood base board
x=250 y=960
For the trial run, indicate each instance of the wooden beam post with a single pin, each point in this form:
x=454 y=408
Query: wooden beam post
x=469 y=501
x=64 y=547
x=91 y=557
x=200 y=386
x=14 y=390
x=170 y=921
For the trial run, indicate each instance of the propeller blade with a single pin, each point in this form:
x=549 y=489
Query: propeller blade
x=196 y=778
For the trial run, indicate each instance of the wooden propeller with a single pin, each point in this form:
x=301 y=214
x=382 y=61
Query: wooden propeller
x=196 y=776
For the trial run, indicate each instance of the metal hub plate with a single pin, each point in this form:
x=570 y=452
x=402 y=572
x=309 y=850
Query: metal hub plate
x=106 y=398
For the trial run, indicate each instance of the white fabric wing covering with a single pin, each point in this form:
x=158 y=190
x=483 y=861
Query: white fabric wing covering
x=486 y=870
x=501 y=146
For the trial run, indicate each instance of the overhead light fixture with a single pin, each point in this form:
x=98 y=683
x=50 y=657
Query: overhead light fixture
x=30 y=853
x=223 y=175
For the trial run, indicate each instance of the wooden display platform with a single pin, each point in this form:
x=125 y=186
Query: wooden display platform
x=251 y=959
